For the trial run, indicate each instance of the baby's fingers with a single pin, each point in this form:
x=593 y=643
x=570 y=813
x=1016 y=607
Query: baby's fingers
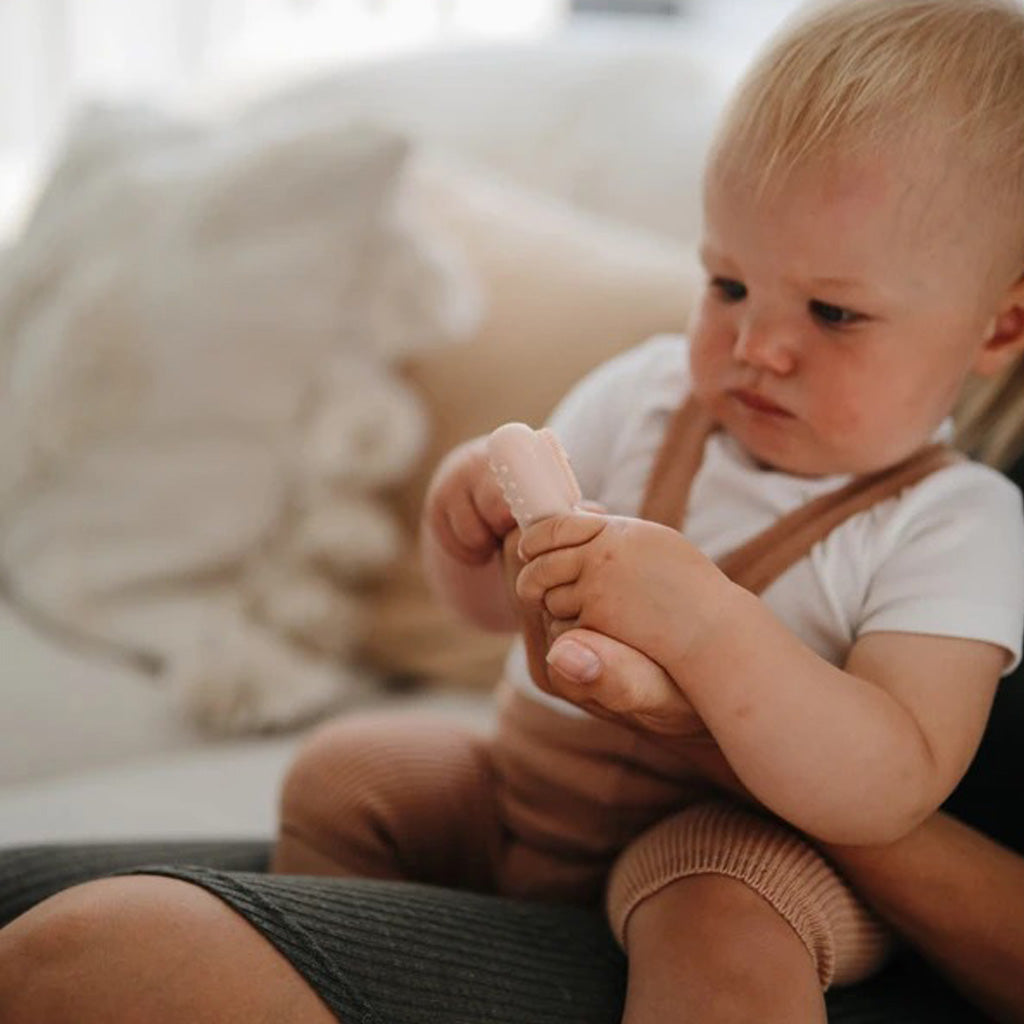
x=563 y=603
x=555 y=569
x=556 y=627
x=492 y=508
x=560 y=532
x=463 y=531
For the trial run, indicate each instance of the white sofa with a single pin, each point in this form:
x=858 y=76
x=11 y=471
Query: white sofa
x=564 y=175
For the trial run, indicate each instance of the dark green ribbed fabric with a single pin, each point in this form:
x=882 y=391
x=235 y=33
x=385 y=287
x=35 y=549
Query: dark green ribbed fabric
x=29 y=874
x=399 y=953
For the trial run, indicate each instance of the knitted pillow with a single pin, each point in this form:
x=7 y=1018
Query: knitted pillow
x=168 y=322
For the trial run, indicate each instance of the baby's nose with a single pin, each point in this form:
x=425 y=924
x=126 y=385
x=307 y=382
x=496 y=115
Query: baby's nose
x=766 y=346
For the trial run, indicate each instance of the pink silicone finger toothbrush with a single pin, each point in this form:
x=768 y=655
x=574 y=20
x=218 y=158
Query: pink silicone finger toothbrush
x=534 y=472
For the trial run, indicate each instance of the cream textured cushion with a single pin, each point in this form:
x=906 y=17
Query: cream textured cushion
x=166 y=320
x=563 y=291
x=200 y=432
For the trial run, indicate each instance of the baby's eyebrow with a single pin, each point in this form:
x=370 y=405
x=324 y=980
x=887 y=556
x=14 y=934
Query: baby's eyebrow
x=706 y=254
x=856 y=291
x=847 y=283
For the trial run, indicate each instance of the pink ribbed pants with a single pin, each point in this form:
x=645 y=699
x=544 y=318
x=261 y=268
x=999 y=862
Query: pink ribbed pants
x=554 y=808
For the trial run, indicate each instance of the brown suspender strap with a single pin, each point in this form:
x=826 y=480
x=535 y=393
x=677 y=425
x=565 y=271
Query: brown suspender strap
x=675 y=466
x=764 y=558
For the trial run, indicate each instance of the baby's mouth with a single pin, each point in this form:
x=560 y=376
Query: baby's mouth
x=758 y=402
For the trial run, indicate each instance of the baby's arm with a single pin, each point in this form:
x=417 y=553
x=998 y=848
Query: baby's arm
x=855 y=754
x=859 y=754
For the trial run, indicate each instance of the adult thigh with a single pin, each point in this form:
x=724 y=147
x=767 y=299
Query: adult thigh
x=146 y=949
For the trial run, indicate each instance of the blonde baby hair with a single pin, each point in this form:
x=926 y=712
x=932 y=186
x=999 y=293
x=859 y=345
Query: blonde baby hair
x=862 y=75
x=867 y=73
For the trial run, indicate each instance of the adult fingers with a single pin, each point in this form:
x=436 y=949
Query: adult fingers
x=586 y=666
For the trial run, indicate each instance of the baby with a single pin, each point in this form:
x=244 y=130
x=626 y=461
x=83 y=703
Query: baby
x=803 y=601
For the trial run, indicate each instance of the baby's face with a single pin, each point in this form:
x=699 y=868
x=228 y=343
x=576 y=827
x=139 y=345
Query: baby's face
x=842 y=315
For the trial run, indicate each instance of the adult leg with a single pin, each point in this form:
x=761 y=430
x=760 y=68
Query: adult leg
x=402 y=953
x=390 y=797
x=150 y=950
x=30 y=874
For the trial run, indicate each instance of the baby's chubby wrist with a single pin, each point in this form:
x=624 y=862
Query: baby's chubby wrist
x=715 y=625
x=698 y=652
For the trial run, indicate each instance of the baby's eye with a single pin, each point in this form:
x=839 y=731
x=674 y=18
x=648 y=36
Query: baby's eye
x=833 y=316
x=731 y=291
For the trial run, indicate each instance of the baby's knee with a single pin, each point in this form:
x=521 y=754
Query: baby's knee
x=735 y=931
x=770 y=875
x=377 y=754
x=338 y=759
x=361 y=787
x=68 y=958
x=711 y=945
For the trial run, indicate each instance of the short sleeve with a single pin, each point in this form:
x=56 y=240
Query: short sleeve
x=951 y=561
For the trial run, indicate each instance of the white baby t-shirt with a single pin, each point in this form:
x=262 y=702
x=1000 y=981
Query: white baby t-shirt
x=944 y=557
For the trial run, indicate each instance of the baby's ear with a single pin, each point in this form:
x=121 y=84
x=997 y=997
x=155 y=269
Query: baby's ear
x=1005 y=339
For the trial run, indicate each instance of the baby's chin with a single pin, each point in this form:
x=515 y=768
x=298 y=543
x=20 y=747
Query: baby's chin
x=785 y=444
x=814 y=463
x=789 y=455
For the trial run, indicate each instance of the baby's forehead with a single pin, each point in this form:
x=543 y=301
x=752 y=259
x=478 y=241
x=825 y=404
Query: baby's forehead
x=921 y=183
x=851 y=215
x=920 y=151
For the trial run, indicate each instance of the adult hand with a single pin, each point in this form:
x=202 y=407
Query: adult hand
x=615 y=681
x=606 y=677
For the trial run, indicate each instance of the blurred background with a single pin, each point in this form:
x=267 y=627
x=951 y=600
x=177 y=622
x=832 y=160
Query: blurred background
x=262 y=263
x=56 y=53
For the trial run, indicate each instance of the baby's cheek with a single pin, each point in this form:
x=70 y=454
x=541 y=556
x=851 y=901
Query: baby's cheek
x=710 y=356
x=844 y=418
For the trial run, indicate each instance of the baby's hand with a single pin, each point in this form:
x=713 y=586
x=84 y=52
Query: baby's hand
x=639 y=582
x=464 y=506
